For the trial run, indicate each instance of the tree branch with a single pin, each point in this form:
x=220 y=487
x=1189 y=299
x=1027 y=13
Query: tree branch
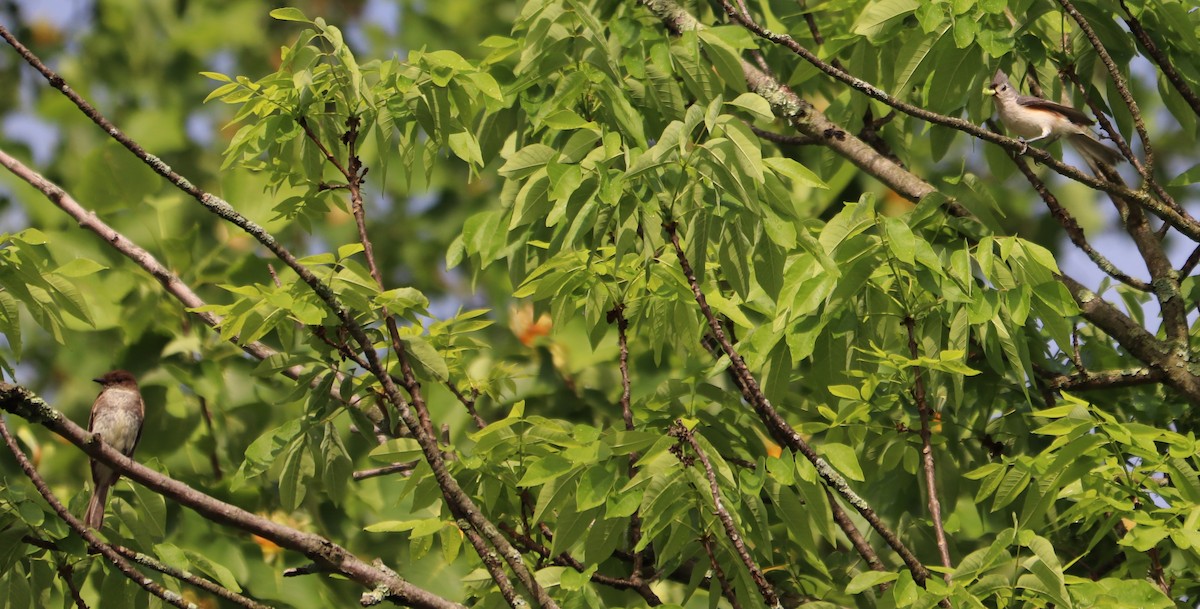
x=1179 y=218
x=1161 y=60
x=1107 y=379
x=1074 y=231
x=739 y=545
x=1118 y=81
x=927 y=464
x=23 y=403
x=78 y=527
x=718 y=572
x=635 y=519
x=198 y=582
x=784 y=433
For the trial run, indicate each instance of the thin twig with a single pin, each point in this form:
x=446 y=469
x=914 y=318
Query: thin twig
x=718 y=572
x=1117 y=79
x=402 y=468
x=1156 y=572
x=927 y=463
x=864 y=549
x=789 y=140
x=1075 y=232
x=1189 y=265
x=198 y=582
x=213 y=459
x=468 y=402
x=68 y=576
x=563 y=559
x=1161 y=60
x=635 y=519
x=770 y=597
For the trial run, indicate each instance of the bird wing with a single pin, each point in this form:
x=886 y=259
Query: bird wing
x=1037 y=103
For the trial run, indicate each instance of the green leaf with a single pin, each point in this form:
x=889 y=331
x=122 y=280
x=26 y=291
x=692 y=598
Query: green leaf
x=427 y=356
x=1011 y=486
x=527 y=160
x=289 y=14
x=400 y=301
x=396 y=450
x=900 y=239
x=844 y=459
x=547 y=468
x=879 y=17
x=794 y=171
x=215 y=570
x=79 y=267
x=754 y=104
x=849 y=392
x=298 y=469
x=869 y=579
x=466 y=147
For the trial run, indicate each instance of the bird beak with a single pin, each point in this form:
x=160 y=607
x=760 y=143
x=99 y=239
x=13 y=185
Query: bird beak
x=101 y=381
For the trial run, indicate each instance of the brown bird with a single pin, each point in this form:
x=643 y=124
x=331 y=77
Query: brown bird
x=117 y=417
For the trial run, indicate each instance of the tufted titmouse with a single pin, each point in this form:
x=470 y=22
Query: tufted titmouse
x=1033 y=118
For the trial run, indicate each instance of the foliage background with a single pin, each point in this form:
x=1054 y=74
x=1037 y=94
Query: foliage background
x=1059 y=505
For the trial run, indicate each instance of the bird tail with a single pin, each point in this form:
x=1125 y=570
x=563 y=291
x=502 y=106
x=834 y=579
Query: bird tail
x=1093 y=151
x=94 y=516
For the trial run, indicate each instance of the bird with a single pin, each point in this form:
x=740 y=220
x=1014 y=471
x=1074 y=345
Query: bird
x=1033 y=118
x=117 y=417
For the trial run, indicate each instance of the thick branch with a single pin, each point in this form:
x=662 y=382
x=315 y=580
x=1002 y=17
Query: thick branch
x=1178 y=218
x=1106 y=379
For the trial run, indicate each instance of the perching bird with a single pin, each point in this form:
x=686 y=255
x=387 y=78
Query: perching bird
x=1033 y=118
x=117 y=416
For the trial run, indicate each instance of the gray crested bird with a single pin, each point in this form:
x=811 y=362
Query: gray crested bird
x=1033 y=118
x=117 y=416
